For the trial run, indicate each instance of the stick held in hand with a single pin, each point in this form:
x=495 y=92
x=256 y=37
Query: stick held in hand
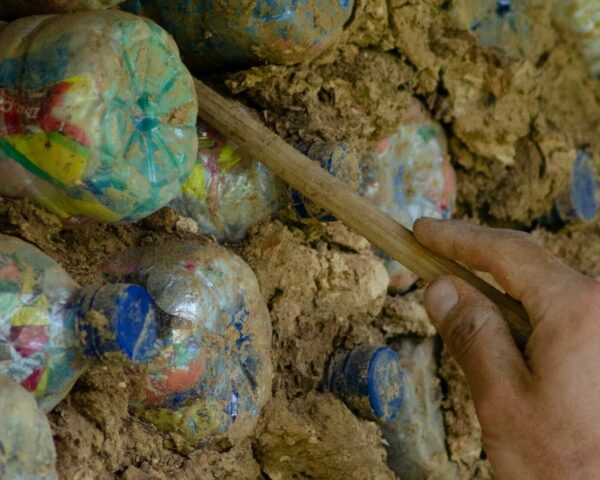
x=235 y=122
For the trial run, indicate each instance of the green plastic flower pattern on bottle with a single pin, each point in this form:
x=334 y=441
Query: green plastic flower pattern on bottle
x=97 y=115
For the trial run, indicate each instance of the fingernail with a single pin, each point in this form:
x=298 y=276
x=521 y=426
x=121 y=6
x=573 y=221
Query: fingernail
x=426 y=220
x=440 y=298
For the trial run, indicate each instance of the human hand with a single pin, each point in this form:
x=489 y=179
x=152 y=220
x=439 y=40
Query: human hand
x=539 y=411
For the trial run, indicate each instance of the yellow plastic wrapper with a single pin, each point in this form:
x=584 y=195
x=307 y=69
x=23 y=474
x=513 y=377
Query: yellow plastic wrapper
x=97 y=115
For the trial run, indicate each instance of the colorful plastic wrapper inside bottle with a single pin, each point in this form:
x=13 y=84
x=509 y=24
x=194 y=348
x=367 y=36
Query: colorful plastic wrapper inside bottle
x=38 y=345
x=227 y=193
x=10 y=9
x=234 y=34
x=416 y=438
x=97 y=115
x=409 y=176
x=506 y=25
x=50 y=330
x=582 y=19
x=214 y=374
x=27 y=451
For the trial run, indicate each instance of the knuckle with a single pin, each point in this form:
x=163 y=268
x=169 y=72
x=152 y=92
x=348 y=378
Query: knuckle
x=463 y=329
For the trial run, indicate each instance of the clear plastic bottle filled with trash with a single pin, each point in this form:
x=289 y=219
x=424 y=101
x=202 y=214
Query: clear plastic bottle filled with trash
x=213 y=373
x=97 y=115
x=52 y=330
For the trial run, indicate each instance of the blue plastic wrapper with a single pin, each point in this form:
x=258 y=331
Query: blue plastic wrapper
x=234 y=34
x=214 y=372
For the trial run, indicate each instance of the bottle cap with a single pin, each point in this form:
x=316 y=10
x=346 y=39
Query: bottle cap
x=340 y=161
x=580 y=202
x=584 y=187
x=119 y=318
x=369 y=381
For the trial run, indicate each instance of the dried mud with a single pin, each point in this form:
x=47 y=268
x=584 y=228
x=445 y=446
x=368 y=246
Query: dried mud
x=513 y=125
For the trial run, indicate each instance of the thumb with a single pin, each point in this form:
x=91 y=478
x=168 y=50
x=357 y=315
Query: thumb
x=478 y=337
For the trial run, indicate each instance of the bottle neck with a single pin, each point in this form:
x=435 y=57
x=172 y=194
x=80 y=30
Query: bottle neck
x=119 y=322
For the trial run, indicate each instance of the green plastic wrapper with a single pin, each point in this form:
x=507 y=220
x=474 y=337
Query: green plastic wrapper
x=97 y=115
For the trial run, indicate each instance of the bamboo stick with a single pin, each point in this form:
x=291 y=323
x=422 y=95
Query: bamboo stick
x=235 y=122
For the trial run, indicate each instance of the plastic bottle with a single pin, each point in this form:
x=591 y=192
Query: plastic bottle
x=27 y=449
x=369 y=380
x=416 y=438
x=97 y=115
x=580 y=18
x=234 y=34
x=227 y=193
x=23 y=8
x=407 y=175
x=214 y=372
x=51 y=330
x=339 y=160
x=502 y=24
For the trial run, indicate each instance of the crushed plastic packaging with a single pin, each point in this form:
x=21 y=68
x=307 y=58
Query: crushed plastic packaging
x=97 y=115
x=227 y=193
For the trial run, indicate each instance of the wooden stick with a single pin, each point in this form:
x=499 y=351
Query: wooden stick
x=235 y=122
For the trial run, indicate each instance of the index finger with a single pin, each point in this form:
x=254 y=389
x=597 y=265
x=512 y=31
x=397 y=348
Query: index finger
x=522 y=267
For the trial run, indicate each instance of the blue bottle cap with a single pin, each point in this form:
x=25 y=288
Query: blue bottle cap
x=584 y=187
x=119 y=318
x=580 y=201
x=369 y=380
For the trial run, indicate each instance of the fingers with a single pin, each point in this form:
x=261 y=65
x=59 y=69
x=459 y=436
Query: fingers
x=474 y=331
x=523 y=268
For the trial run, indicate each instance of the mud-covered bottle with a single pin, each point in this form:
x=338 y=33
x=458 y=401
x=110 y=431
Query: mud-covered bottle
x=213 y=374
x=27 y=449
x=51 y=330
x=509 y=26
x=408 y=175
x=416 y=438
x=369 y=380
x=227 y=192
x=234 y=34
x=97 y=115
